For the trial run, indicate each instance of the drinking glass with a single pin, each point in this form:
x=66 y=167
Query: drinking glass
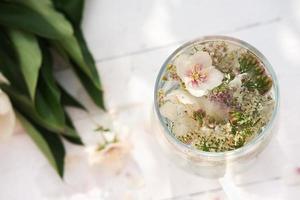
x=212 y=164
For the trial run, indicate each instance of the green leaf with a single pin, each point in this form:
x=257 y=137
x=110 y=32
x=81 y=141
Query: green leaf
x=47 y=102
x=88 y=58
x=25 y=105
x=68 y=100
x=59 y=50
x=72 y=9
x=76 y=52
x=50 y=144
x=75 y=140
x=87 y=62
x=49 y=110
x=35 y=16
x=8 y=66
x=30 y=57
x=77 y=48
x=94 y=92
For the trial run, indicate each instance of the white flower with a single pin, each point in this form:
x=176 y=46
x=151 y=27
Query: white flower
x=179 y=109
x=197 y=72
x=113 y=156
x=173 y=110
x=7 y=116
x=180 y=115
x=213 y=109
x=181 y=96
x=184 y=125
x=179 y=103
x=237 y=81
x=3 y=79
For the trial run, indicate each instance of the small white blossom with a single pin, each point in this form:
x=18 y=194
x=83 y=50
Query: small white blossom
x=179 y=109
x=7 y=116
x=181 y=96
x=184 y=125
x=112 y=156
x=213 y=109
x=3 y=79
x=237 y=81
x=173 y=110
x=198 y=73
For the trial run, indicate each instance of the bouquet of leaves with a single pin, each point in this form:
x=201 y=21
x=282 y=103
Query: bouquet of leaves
x=31 y=32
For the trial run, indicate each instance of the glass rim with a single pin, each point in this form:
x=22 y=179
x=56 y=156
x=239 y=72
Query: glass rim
x=255 y=140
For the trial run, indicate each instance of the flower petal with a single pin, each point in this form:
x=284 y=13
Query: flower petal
x=214 y=78
x=196 y=91
x=237 y=81
x=172 y=110
x=186 y=62
x=182 y=64
x=112 y=157
x=181 y=96
x=7 y=116
x=202 y=58
x=3 y=79
x=184 y=125
x=213 y=109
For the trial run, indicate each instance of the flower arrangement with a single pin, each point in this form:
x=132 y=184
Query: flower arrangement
x=215 y=96
x=32 y=32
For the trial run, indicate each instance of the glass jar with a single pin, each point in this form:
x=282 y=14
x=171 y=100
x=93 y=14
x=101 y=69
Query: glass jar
x=213 y=164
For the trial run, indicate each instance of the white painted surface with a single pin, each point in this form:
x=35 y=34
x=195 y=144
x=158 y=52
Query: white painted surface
x=130 y=40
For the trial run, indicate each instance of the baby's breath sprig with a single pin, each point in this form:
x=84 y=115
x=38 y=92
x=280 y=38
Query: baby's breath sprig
x=102 y=129
x=199 y=115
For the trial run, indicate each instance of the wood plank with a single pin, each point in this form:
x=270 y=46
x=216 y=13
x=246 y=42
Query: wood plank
x=115 y=28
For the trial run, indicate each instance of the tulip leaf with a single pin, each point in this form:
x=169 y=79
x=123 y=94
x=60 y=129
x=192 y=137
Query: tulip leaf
x=30 y=57
x=46 y=9
x=86 y=61
x=72 y=9
x=76 y=53
x=8 y=66
x=28 y=29
x=94 y=92
x=25 y=105
x=71 y=127
x=36 y=17
x=47 y=102
x=77 y=48
x=69 y=100
x=50 y=144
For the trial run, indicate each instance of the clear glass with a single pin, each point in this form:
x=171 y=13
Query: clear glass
x=213 y=164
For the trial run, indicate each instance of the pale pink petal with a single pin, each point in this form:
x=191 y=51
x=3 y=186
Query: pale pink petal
x=113 y=156
x=196 y=91
x=214 y=78
x=182 y=96
x=182 y=63
x=172 y=110
x=185 y=63
x=184 y=125
x=197 y=72
x=7 y=116
x=202 y=58
x=213 y=108
x=237 y=81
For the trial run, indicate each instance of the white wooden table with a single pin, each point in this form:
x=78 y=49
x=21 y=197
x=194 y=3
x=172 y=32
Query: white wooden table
x=130 y=40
